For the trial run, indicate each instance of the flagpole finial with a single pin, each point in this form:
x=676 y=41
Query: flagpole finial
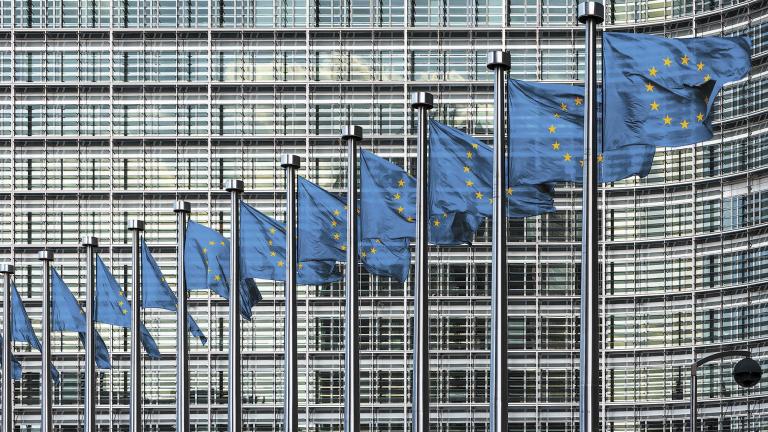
x=352 y=132
x=89 y=241
x=590 y=10
x=290 y=160
x=45 y=255
x=182 y=207
x=498 y=59
x=422 y=99
x=136 y=225
x=6 y=268
x=234 y=186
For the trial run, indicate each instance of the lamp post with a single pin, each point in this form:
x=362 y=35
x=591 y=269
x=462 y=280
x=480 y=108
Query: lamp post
x=746 y=373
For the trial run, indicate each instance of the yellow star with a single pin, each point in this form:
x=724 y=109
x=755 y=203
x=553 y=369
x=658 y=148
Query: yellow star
x=445 y=215
x=272 y=230
x=205 y=250
x=509 y=191
x=578 y=100
x=120 y=303
x=466 y=169
x=334 y=223
x=567 y=156
x=280 y=263
x=557 y=115
x=475 y=146
x=652 y=71
x=649 y=87
x=400 y=209
x=409 y=219
x=396 y=196
x=401 y=183
x=363 y=254
x=552 y=129
x=436 y=222
x=684 y=124
x=667 y=62
x=378 y=241
x=700 y=66
x=684 y=60
x=336 y=212
x=581 y=163
x=336 y=236
x=479 y=195
x=667 y=120
x=700 y=117
x=125 y=312
x=343 y=247
x=269 y=242
x=707 y=77
x=301 y=266
x=212 y=243
x=273 y=253
x=469 y=155
x=600 y=157
x=217 y=278
x=121 y=293
x=556 y=145
x=469 y=183
x=563 y=106
x=654 y=106
x=222 y=243
x=490 y=200
x=373 y=250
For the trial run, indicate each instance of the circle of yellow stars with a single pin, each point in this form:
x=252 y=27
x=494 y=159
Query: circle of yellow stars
x=552 y=129
x=650 y=87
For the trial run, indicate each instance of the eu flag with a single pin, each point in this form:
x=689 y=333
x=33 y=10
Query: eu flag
x=461 y=179
x=262 y=248
x=323 y=235
x=69 y=316
x=155 y=292
x=206 y=266
x=546 y=138
x=15 y=365
x=22 y=327
x=112 y=307
x=661 y=91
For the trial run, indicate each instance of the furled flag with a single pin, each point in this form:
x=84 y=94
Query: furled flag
x=388 y=206
x=262 y=249
x=206 y=267
x=323 y=235
x=546 y=139
x=155 y=292
x=69 y=316
x=15 y=365
x=22 y=327
x=461 y=179
x=112 y=307
x=660 y=91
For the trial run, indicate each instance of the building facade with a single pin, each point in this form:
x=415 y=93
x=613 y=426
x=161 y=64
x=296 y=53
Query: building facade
x=113 y=109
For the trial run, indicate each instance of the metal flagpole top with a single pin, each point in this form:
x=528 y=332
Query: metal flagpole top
x=591 y=10
x=422 y=99
x=89 y=241
x=182 y=207
x=292 y=160
x=234 y=186
x=45 y=255
x=498 y=59
x=6 y=268
x=136 y=225
x=352 y=132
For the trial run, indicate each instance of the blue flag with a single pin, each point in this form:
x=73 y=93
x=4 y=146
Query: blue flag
x=206 y=266
x=22 y=330
x=388 y=206
x=15 y=365
x=461 y=179
x=155 y=292
x=262 y=250
x=112 y=307
x=69 y=316
x=546 y=139
x=323 y=235
x=660 y=91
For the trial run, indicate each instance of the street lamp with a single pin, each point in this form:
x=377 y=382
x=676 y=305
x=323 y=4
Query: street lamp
x=746 y=373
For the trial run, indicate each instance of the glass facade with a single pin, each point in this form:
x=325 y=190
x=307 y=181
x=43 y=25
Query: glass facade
x=112 y=109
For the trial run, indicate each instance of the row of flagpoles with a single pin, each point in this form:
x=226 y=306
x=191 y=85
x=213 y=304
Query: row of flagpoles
x=465 y=194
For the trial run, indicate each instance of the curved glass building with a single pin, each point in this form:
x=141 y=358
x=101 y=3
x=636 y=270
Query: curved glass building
x=111 y=110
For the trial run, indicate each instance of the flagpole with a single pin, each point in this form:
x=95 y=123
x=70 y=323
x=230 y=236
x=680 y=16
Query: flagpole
x=234 y=408
x=352 y=134
x=591 y=14
x=499 y=62
x=89 y=411
x=136 y=227
x=421 y=102
x=46 y=399
x=291 y=163
x=7 y=270
x=182 y=210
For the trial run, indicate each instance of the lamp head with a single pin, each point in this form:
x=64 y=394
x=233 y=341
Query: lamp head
x=747 y=373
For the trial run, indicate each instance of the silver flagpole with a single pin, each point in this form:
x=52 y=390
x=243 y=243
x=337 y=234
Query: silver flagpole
x=591 y=14
x=46 y=399
x=89 y=411
x=182 y=209
x=7 y=270
x=291 y=163
x=422 y=102
x=352 y=134
x=235 y=406
x=499 y=62
x=136 y=227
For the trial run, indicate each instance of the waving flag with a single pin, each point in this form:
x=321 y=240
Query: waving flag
x=15 y=365
x=660 y=91
x=22 y=327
